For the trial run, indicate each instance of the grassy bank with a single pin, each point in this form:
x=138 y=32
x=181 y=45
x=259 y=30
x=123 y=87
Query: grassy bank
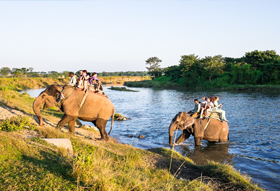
x=122 y=79
x=29 y=163
x=35 y=83
x=165 y=83
x=29 y=83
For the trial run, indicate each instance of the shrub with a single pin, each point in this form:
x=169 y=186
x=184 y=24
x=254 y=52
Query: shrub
x=4 y=88
x=16 y=123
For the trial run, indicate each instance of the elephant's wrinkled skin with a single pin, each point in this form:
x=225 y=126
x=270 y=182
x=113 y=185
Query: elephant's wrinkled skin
x=216 y=130
x=96 y=108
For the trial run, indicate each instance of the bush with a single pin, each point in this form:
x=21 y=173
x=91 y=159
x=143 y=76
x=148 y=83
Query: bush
x=16 y=123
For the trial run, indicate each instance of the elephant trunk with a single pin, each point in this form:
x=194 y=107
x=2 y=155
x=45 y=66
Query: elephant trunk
x=172 y=128
x=36 y=108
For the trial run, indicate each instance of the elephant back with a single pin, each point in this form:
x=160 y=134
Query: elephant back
x=215 y=115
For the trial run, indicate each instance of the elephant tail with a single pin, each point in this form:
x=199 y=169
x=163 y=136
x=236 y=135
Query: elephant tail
x=112 y=122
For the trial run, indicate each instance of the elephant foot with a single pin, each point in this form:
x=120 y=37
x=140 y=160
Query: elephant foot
x=59 y=128
x=105 y=139
x=72 y=133
x=197 y=141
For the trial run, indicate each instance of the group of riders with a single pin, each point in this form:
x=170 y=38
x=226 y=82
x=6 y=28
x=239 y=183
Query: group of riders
x=206 y=106
x=89 y=82
x=86 y=82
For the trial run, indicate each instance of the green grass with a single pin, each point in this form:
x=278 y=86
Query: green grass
x=33 y=164
x=29 y=83
x=26 y=166
x=16 y=123
x=226 y=173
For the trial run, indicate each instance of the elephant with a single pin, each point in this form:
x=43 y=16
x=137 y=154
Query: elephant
x=215 y=131
x=95 y=108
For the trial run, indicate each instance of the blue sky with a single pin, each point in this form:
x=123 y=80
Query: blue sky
x=120 y=35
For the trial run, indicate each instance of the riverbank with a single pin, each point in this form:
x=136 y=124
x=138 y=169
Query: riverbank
x=36 y=83
x=97 y=165
x=122 y=79
x=171 y=85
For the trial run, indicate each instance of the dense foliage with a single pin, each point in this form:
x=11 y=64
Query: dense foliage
x=28 y=72
x=128 y=73
x=254 y=68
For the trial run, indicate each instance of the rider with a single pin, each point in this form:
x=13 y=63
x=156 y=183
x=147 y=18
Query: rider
x=216 y=109
x=73 y=80
x=83 y=80
x=195 y=111
x=203 y=105
x=209 y=106
x=94 y=81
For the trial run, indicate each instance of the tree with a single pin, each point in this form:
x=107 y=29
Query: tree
x=53 y=74
x=30 y=69
x=173 y=71
x=187 y=61
x=213 y=65
x=17 y=72
x=5 y=71
x=258 y=59
x=154 y=68
x=243 y=74
x=65 y=74
x=24 y=70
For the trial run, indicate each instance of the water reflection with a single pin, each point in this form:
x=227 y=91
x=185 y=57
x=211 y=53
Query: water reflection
x=212 y=152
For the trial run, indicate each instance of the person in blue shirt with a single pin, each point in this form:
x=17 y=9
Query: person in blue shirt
x=195 y=112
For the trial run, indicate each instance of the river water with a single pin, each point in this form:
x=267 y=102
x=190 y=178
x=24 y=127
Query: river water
x=254 y=122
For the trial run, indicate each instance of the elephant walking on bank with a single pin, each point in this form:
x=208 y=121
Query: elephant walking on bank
x=95 y=108
x=215 y=131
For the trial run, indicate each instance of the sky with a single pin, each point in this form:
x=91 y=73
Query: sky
x=119 y=35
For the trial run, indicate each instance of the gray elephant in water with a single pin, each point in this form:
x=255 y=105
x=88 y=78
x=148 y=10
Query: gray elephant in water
x=216 y=131
x=95 y=108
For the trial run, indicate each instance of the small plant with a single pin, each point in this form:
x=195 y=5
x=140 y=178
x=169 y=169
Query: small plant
x=39 y=140
x=16 y=123
x=4 y=89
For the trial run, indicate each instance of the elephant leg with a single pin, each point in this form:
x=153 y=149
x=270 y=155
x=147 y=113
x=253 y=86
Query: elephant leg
x=197 y=141
x=101 y=124
x=65 y=119
x=72 y=126
x=183 y=136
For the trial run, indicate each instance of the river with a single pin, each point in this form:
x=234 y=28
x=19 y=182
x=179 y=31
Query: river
x=254 y=122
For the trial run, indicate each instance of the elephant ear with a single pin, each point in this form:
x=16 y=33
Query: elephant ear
x=189 y=123
x=59 y=96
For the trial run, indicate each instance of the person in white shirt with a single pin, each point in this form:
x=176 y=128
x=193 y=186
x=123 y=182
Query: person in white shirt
x=73 y=79
x=203 y=105
x=209 y=106
x=218 y=108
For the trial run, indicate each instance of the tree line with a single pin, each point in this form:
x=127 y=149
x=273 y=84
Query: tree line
x=254 y=68
x=29 y=72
